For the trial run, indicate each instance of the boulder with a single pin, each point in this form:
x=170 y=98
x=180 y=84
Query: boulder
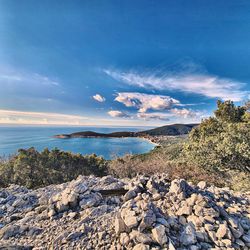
x=129 y=217
x=162 y=221
x=170 y=245
x=124 y=239
x=184 y=210
x=144 y=238
x=90 y=200
x=61 y=207
x=32 y=231
x=188 y=235
x=72 y=215
x=73 y=236
x=222 y=231
x=141 y=247
x=180 y=187
x=237 y=232
x=129 y=195
x=19 y=202
x=69 y=199
x=196 y=221
x=79 y=188
x=148 y=219
x=120 y=225
x=159 y=235
x=246 y=238
x=202 y=185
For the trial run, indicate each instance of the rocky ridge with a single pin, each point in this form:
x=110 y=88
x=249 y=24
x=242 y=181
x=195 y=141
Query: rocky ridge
x=108 y=213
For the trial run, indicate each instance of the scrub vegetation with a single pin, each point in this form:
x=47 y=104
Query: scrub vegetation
x=217 y=151
x=34 y=169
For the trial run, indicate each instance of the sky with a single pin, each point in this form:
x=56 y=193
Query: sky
x=126 y=63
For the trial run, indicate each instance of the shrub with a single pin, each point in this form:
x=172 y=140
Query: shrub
x=222 y=141
x=36 y=169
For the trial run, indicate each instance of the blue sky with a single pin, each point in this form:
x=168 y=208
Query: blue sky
x=113 y=62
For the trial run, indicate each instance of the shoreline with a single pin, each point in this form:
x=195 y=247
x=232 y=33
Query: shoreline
x=148 y=140
x=151 y=139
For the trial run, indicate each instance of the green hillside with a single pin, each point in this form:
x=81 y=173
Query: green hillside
x=174 y=129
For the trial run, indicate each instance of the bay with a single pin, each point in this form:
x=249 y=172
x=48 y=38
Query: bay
x=13 y=138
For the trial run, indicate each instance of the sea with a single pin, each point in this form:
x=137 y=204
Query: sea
x=13 y=138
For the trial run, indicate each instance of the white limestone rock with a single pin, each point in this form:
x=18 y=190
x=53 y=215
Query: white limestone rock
x=159 y=235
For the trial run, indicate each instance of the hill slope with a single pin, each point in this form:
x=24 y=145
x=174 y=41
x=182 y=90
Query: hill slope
x=174 y=129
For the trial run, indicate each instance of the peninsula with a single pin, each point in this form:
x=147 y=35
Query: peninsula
x=168 y=130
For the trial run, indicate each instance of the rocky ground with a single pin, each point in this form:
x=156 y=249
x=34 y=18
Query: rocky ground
x=139 y=214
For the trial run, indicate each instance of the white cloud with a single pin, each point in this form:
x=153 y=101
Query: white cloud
x=99 y=98
x=117 y=113
x=186 y=113
x=190 y=82
x=145 y=102
x=171 y=114
x=154 y=116
x=43 y=118
x=15 y=117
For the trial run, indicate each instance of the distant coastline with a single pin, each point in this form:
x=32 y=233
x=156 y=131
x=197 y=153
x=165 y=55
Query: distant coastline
x=154 y=136
x=168 y=130
x=91 y=134
x=14 y=138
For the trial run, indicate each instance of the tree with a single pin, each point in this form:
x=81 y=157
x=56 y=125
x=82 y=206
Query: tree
x=247 y=105
x=222 y=141
x=228 y=112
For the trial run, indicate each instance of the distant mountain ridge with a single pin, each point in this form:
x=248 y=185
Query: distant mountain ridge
x=171 y=130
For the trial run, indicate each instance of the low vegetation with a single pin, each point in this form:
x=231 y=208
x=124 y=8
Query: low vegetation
x=34 y=169
x=222 y=141
x=217 y=150
x=169 y=158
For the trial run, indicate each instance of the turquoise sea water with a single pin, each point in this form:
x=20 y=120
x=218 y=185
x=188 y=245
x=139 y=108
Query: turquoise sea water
x=12 y=138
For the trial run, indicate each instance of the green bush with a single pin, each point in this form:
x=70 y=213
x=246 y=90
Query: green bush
x=222 y=141
x=36 y=169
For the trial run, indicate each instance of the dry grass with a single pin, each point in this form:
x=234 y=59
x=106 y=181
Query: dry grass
x=239 y=181
x=169 y=159
x=130 y=166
